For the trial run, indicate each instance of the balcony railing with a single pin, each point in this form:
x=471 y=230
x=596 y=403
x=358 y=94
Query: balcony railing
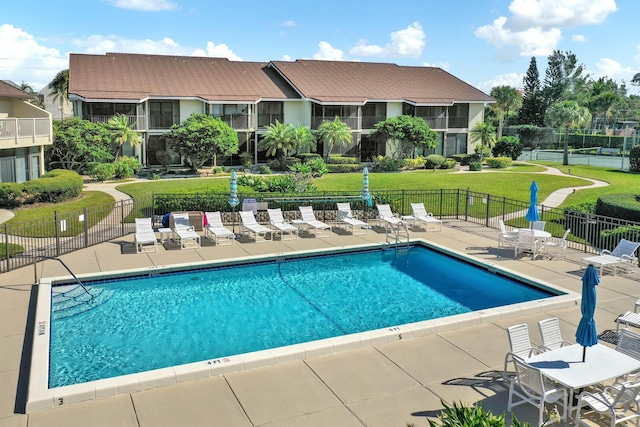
x=458 y=122
x=352 y=122
x=369 y=121
x=16 y=129
x=135 y=122
x=265 y=120
x=239 y=121
x=161 y=121
x=436 y=122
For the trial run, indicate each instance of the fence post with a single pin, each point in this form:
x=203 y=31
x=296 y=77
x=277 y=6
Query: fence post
x=6 y=245
x=486 y=221
x=458 y=203
x=57 y=220
x=402 y=210
x=466 y=205
x=441 y=200
x=122 y=218
x=86 y=228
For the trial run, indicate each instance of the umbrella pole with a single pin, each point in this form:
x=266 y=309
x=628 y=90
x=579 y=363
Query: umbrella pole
x=233 y=220
x=584 y=352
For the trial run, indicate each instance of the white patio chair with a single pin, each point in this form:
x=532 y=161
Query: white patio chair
x=506 y=238
x=617 y=402
x=388 y=217
x=420 y=213
x=558 y=243
x=538 y=225
x=283 y=228
x=629 y=344
x=532 y=387
x=527 y=242
x=320 y=229
x=551 y=336
x=216 y=231
x=624 y=253
x=258 y=231
x=144 y=235
x=520 y=345
x=184 y=232
x=347 y=219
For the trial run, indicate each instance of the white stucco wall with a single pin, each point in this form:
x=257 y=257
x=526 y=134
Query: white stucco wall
x=53 y=106
x=394 y=109
x=297 y=112
x=476 y=115
x=188 y=107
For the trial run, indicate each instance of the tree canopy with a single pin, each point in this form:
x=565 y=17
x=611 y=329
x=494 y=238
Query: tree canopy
x=483 y=134
x=335 y=133
x=201 y=137
x=405 y=134
x=567 y=114
x=122 y=133
x=78 y=143
x=507 y=98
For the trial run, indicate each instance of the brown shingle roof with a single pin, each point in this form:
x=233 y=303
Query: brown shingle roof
x=8 y=90
x=341 y=81
x=135 y=77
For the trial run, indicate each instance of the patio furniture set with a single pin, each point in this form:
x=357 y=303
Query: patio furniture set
x=183 y=232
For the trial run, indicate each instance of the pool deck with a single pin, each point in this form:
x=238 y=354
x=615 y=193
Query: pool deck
x=391 y=384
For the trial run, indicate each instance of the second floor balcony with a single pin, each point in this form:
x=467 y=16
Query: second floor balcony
x=265 y=120
x=22 y=131
x=135 y=122
x=239 y=121
x=352 y=122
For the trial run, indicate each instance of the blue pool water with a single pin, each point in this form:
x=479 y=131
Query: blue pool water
x=143 y=323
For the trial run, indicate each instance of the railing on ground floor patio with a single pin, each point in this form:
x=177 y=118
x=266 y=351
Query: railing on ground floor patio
x=68 y=232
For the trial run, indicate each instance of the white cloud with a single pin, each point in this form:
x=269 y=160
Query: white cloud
x=221 y=51
x=407 y=42
x=443 y=64
x=286 y=58
x=508 y=79
x=606 y=67
x=144 y=5
x=535 y=26
x=289 y=24
x=24 y=59
x=327 y=52
x=578 y=38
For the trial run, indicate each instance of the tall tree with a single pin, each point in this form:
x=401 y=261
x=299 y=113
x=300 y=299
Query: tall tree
x=507 y=98
x=532 y=110
x=278 y=139
x=485 y=134
x=78 y=143
x=60 y=88
x=303 y=138
x=405 y=134
x=567 y=114
x=335 y=133
x=122 y=132
x=562 y=77
x=201 y=137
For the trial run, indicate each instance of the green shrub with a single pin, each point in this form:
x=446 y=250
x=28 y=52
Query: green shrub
x=634 y=159
x=459 y=415
x=314 y=167
x=126 y=167
x=417 y=163
x=341 y=168
x=623 y=206
x=103 y=171
x=499 y=162
x=630 y=232
x=164 y=158
x=434 y=161
x=508 y=146
x=53 y=187
x=336 y=159
x=465 y=159
x=246 y=159
x=305 y=157
x=11 y=195
x=288 y=183
x=265 y=170
x=448 y=164
x=475 y=166
x=282 y=164
x=155 y=176
x=386 y=164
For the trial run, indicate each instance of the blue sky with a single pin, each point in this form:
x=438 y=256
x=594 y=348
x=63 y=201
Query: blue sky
x=485 y=43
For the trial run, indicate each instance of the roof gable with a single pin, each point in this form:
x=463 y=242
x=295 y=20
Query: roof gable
x=10 y=90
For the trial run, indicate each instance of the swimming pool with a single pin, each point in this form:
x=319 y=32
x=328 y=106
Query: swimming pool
x=322 y=303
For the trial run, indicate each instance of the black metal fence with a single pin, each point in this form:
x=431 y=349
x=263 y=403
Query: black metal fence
x=65 y=233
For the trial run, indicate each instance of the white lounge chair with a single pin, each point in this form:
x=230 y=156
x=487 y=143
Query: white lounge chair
x=145 y=235
x=527 y=242
x=258 y=231
x=421 y=214
x=281 y=226
x=320 y=229
x=216 y=231
x=184 y=232
x=506 y=238
x=347 y=219
x=623 y=254
x=551 y=336
x=389 y=218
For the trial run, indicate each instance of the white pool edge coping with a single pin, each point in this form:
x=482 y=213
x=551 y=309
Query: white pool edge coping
x=40 y=397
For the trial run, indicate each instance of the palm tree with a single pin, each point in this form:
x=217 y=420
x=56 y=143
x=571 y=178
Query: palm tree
x=122 y=133
x=485 y=134
x=335 y=133
x=567 y=114
x=507 y=98
x=60 y=89
x=278 y=140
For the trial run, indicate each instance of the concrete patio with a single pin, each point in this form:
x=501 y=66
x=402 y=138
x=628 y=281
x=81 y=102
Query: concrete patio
x=392 y=384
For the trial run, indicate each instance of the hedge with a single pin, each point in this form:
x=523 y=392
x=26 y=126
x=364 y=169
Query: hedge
x=52 y=187
x=465 y=159
x=305 y=157
x=417 y=163
x=341 y=160
x=623 y=206
x=475 y=166
x=448 y=164
x=631 y=232
x=499 y=162
x=634 y=159
x=434 y=161
x=341 y=168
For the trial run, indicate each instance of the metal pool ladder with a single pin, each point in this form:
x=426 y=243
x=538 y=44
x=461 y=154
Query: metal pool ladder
x=65 y=266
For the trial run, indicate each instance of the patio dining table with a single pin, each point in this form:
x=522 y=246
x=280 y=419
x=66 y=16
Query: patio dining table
x=565 y=366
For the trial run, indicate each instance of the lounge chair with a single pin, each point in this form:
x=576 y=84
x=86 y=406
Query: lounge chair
x=320 y=229
x=184 y=232
x=281 y=226
x=258 y=231
x=216 y=231
x=348 y=220
x=421 y=214
x=145 y=235
x=623 y=254
x=389 y=218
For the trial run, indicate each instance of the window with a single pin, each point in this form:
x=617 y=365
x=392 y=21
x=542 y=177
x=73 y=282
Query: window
x=459 y=116
x=163 y=114
x=372 y=113
x=269 y=112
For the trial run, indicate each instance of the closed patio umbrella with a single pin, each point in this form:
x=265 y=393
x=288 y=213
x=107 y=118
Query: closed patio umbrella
x=587 y=335
x=233 y=196
x=365 y=187
x=532 y=212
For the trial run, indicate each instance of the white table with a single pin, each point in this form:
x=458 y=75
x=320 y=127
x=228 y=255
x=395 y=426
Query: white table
x=165 y=234
x=565 y=366
x=537 y=234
